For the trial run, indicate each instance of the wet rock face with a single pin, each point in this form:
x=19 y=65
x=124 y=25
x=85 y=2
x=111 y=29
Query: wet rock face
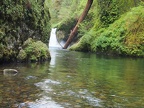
x=18 y=23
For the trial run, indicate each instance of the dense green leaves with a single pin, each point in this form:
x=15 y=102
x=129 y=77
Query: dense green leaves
x=109 y=11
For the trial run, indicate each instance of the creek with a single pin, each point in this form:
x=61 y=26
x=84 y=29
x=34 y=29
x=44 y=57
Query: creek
x=74 y=80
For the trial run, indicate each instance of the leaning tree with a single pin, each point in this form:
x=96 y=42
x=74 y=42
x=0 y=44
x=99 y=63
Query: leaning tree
x=81 y=18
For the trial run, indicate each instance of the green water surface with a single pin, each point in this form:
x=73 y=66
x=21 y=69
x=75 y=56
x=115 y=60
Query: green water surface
x=74 y=80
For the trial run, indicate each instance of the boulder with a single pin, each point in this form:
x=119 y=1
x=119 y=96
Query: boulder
x=10 y=72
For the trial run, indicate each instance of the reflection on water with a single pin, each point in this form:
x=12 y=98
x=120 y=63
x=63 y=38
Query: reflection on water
x=74 y=80
x=53 y=54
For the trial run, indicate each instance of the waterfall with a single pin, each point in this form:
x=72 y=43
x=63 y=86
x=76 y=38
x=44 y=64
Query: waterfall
x=53 y=42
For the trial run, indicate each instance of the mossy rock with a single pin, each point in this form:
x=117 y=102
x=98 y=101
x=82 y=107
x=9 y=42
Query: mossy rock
x=33 y=51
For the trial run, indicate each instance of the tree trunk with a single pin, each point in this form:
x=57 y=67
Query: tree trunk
x=75 y=29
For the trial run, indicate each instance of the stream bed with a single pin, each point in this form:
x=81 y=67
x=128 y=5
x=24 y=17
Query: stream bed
x=74 y=80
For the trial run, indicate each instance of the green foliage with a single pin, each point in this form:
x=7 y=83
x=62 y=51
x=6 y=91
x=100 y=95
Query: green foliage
x=34 y=51
x=109 y=11
x=6 y=53
x=62 y=10
x=104 y=29
x=123 y=37
x=67 y=15
x=11 y=10
x=66 y=27
x=22 y=55
x=26 y=16
x=101 y=14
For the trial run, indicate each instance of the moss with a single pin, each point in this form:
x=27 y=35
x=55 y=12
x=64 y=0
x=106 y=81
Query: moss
x=7 y=53
x=19 y=21
x=123 y=37
x=109 y=11
x=34 y=51
x=65 y=27
x=22 y=56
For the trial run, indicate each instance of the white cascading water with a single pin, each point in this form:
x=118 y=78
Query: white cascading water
x=53 y=43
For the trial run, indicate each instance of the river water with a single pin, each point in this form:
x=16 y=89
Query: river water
x=74 y=80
